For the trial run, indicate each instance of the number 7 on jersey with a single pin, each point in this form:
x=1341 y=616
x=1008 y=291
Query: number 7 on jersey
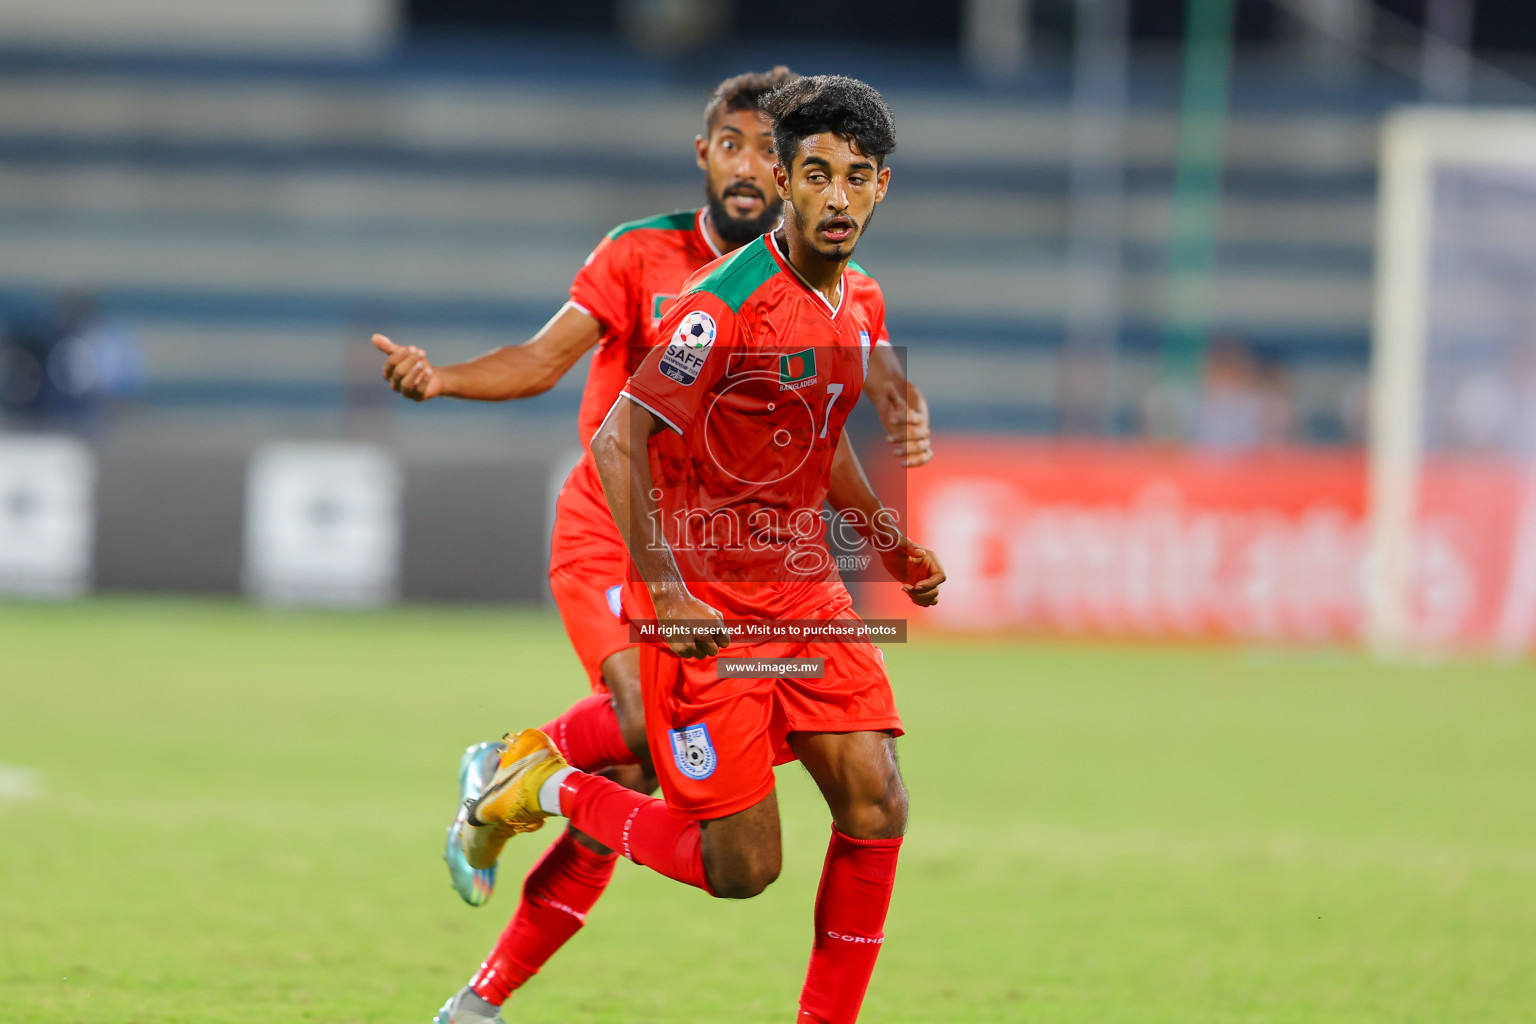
x=833 y=391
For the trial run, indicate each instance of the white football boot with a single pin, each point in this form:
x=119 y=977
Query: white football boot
x=455 y=1010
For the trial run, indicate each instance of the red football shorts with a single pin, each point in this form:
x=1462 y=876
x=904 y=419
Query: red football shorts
x=587 y=568
x=715 y=741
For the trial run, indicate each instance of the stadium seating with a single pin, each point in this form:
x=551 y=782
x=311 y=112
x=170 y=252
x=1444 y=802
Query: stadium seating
x=244 y=218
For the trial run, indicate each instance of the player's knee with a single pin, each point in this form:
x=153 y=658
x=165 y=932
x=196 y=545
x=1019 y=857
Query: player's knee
x=894 y=811
x=743 y=851
x=743 y=877
x=881 y=816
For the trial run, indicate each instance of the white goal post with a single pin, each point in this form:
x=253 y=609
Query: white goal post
x=1453 y=383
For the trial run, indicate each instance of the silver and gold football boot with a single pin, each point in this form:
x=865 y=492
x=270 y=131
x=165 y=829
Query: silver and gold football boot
x=476 y=767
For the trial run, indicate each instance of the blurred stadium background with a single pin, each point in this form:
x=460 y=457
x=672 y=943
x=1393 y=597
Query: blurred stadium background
x=1206 y=360
x=1116 y=223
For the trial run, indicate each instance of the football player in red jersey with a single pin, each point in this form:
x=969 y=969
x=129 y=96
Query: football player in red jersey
x=616 y=303
x=723 y=443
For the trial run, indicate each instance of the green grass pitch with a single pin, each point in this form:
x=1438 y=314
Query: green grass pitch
x=240 y=814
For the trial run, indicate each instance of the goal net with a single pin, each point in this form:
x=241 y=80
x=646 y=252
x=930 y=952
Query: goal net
x=1452 y=521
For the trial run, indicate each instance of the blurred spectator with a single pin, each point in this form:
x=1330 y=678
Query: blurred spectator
x=1493 y=409
x=60 y=370
x=1244 y=404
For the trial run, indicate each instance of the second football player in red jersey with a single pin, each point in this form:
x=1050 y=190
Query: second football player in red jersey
x=716 y=463
x=616 y=304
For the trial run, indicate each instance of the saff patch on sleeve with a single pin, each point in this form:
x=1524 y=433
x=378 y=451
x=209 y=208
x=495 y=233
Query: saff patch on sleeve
x=693 y=751
x=689 y=347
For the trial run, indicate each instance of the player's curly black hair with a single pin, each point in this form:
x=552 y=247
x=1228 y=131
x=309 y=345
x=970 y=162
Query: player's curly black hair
x=744 y=92
x=846 y=107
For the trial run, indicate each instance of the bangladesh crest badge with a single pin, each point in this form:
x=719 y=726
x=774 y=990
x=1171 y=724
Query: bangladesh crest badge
x=693 y=751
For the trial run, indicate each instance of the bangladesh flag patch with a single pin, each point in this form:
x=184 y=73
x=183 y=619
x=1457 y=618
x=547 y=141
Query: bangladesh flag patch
x=797 y=369
x=659 y=306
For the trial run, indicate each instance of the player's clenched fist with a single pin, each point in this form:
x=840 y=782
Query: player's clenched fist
x=917 y=569
x=407 y=370
x=692 y=628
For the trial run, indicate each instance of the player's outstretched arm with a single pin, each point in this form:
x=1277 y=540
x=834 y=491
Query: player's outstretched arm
x=514 y=371
x=903 y=409
x=619 y=449
x=915 y=567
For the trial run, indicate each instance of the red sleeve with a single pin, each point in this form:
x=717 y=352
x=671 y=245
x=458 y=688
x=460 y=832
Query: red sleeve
x=675 y=378
x=603 y=287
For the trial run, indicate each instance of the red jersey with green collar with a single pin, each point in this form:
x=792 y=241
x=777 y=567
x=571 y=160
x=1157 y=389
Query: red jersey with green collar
x=627 y=284
x=756 y=376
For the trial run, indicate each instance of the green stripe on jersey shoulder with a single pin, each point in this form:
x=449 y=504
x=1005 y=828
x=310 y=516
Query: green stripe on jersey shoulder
x=859 y=270
x=682 y=220
x=734 y=281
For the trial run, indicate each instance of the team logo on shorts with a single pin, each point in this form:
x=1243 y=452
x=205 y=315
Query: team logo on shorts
x=685 y=353
x=693 y=751
x=616 y=600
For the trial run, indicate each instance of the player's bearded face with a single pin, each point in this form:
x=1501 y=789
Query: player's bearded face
x=832 y=193
x=724 y=198
x=737 y=159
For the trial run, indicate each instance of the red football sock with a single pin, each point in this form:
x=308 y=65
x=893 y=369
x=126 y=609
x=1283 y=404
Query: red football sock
x=638 y=826
x=588 y=734
x=855 y=892
x=557 y=894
